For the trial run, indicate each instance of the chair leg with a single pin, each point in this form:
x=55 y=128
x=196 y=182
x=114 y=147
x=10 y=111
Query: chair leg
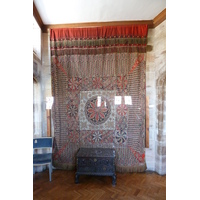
x=50 y=171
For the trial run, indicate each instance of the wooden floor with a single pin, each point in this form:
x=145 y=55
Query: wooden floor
x=148 y=185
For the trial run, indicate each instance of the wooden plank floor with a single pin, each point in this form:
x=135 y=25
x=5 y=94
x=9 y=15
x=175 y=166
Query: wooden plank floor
x=144 y=186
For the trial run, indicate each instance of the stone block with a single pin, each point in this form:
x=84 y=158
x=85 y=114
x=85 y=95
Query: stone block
x=160 y=168
x=152 y=133
x=161 y=138
x=150 y=37
x=150 y=79
x=152 y=144
x=46 y=60
x=150 y=67
x=46 y=70
x=150 y=57
x=150 y=166
x=161 y=150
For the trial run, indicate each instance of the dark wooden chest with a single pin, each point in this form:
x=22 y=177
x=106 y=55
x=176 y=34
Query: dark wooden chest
x=96 y=161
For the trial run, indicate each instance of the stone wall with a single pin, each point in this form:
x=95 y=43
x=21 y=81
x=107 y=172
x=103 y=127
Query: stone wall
x=46 y=77
x=41 y=70
x=156 y=90
x=37 y=118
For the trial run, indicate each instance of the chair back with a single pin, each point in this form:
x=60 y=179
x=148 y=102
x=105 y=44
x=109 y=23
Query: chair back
x=41 y=154
x=43 y=142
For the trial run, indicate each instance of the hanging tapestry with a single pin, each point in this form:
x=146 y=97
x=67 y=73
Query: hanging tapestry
x=99 y=89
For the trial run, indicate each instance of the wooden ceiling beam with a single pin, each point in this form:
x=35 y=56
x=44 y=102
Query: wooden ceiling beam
x=159 y=18
x=37 y=16
x=98 y=24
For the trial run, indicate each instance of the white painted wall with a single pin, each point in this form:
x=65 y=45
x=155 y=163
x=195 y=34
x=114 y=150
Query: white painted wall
x=79 y=11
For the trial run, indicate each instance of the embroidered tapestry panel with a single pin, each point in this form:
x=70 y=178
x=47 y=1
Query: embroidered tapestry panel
x=99 y=84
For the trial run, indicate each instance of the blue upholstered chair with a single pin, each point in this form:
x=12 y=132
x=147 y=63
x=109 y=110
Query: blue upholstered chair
x=43 y=157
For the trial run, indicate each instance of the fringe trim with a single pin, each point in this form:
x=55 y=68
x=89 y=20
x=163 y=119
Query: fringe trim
x=64 y=166
x=129 y=169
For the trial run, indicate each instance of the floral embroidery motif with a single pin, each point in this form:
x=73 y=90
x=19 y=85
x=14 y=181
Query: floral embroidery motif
x=97 y=83
x=86 y=84
x=97 y=112
x=73 y=84
x=121 y=123
x=97 y=136
x=122 y=109
x=122 y=82
x=74 y=136
x=72 y=110
x=120 y=136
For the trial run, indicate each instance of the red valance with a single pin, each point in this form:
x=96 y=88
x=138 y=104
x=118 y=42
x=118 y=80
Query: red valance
x=99 y=32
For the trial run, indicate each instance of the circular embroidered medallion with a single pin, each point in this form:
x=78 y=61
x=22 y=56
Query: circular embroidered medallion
x=120 y=136
x=97 y=110
x=72 y=110
x=122 y=109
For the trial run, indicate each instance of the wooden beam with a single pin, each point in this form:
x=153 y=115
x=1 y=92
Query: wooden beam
x=97 y=24
x=37 y=16
x=159 y=18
